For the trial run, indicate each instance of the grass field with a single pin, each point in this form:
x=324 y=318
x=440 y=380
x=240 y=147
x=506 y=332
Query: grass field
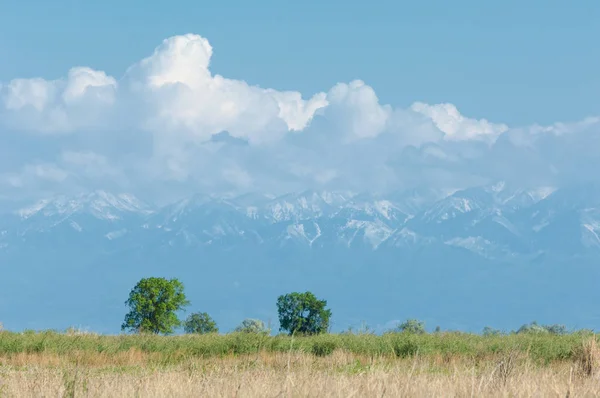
x=246 y=365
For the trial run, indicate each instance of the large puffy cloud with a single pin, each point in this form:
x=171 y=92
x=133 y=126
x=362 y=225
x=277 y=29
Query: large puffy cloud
x=170 y=123
x=180 y=93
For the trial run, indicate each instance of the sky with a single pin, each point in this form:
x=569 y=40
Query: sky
x=234 y=96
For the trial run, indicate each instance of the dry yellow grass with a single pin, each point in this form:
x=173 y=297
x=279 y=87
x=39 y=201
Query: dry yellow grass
x=132 y=374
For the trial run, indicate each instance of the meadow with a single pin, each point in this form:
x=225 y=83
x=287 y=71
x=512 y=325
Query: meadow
x=337 y=365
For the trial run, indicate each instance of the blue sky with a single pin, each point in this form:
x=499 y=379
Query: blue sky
x=511 y=61
x=510 y=69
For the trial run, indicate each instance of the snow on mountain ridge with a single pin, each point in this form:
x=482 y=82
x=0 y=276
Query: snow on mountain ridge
x=304 y=205
x=100 y=204
x=298 y=231
x=449 y=208
x=27 y=212
x=373 y=232
x=489 y=220
x=541 y=193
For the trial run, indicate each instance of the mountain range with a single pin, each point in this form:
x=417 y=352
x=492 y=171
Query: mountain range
x=492 y=254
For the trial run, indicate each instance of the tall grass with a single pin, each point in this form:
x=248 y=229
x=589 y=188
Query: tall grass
x=331 y=365
x=539 y=348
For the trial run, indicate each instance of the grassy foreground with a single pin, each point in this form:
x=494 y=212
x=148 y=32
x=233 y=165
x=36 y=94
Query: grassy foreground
x=444 y=364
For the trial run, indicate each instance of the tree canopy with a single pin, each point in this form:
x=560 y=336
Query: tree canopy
x=153 y=304
x=303 y=313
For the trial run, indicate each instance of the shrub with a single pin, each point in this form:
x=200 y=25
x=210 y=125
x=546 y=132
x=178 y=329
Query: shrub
x=532 y=328
x=556 y=329
x=405 y=349
x=254 y=326
x=200 y=323
x=323 y=348
x=489 y=331
x=412 y=326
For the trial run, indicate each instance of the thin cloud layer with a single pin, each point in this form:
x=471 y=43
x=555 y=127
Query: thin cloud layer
x=170 y=123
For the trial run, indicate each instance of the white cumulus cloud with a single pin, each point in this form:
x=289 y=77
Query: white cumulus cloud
x=171 y=123
x=356 y=110
x=456 y=126
x=179 y=92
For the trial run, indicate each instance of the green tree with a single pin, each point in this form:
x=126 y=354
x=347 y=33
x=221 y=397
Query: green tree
x=412 y=326
x=254 y=326
x=303 y=313
x=200 y=323
x=153 y=304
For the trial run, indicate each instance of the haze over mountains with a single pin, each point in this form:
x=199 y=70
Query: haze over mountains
x=485 y=255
